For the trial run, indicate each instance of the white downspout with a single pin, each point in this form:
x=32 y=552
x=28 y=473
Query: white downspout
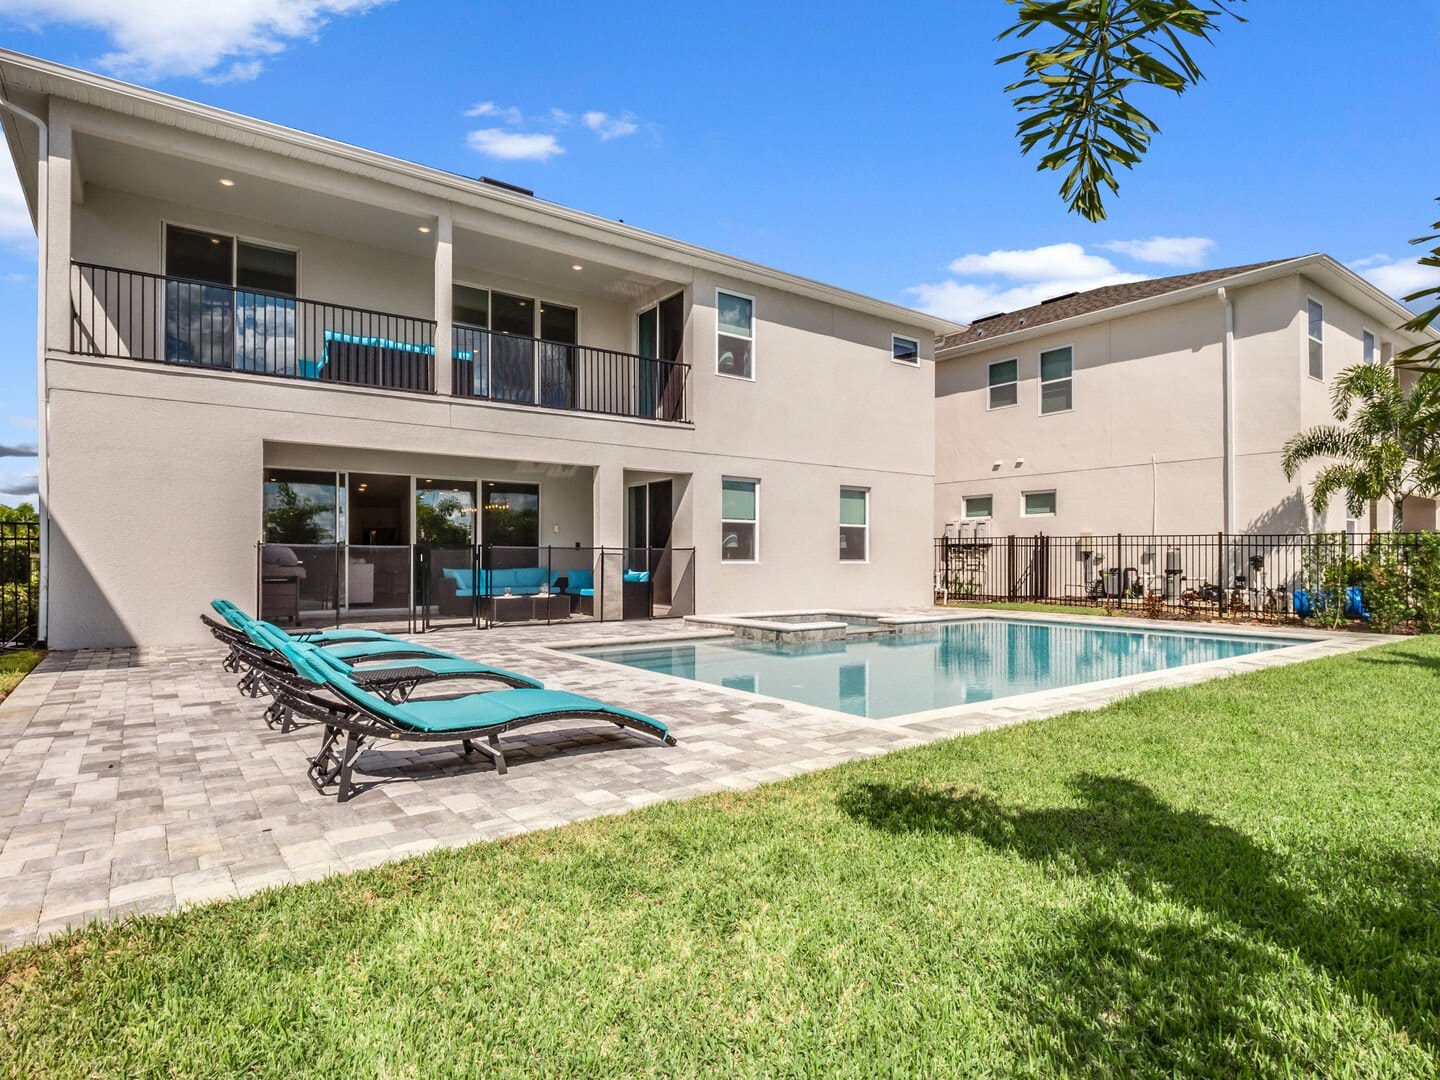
x=42 y=287
x=1227 y=392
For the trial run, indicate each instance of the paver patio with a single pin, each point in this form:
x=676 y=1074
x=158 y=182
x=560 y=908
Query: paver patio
x=140 y=780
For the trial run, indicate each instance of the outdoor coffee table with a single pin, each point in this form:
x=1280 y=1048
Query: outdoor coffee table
x=552 y=606
x=511 y=608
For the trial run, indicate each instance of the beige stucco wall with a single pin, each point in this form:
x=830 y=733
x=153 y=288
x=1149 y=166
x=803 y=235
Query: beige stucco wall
x=1142 y=448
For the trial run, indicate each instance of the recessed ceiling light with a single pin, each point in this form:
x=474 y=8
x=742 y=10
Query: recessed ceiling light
x=577 y=266
x=225 y=181
x=425 y=228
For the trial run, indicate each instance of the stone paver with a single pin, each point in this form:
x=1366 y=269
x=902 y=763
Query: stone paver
x=140 y=781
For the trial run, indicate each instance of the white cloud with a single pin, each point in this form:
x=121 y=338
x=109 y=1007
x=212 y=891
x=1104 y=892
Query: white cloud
x=1016 y=279
x=505 y=115
x=610 y=127
x=1165 y=250
x=27 y=485
x=1398 y=277
x=514 y=145
x=15 y=226
x=19 y=450
x=561 y=117
x=225 y=40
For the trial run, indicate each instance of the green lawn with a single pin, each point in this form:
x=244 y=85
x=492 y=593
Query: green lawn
x=15 y=665
x=1233 y=879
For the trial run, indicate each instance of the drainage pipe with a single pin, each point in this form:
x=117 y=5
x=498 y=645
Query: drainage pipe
x=42 y=287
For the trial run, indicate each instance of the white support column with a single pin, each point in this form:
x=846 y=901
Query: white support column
x=444 y=312
x=56 y=258
x=608 y=511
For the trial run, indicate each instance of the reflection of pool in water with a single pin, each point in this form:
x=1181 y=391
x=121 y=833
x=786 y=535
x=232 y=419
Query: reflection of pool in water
x=955 y=664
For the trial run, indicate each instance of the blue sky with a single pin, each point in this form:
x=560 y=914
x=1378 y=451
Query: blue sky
x=865 y=146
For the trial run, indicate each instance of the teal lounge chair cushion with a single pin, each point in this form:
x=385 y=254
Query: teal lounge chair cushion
x=360 y=650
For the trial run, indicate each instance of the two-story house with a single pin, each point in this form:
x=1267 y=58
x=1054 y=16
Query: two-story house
x=1158 y=406
x=251 y=333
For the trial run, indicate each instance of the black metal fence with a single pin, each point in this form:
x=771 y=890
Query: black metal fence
x=555 y=375
x=19 y=582
x=423 y=587
x=131 y=315
x=1279 y=577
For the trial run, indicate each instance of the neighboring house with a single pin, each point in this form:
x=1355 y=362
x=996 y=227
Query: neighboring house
x=1112 y=411
x=247 y=327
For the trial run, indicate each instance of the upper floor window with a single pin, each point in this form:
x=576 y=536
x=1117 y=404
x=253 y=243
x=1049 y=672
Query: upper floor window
x=739 y=520
x=979 y=506
x=1315 y=313
x=904 y=350
x=221 y=259
x=1004 y=379
x=734 y=334
x=1368 y=352
x=1056 y=384
x=854 y=524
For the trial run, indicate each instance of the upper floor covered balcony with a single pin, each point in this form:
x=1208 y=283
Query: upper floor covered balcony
x=204 y=256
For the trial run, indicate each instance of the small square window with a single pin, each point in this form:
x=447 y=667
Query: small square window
x=1039 y=503
x=904 y=350
x=1004 y=381
x=1056 y=384
x=979 y=506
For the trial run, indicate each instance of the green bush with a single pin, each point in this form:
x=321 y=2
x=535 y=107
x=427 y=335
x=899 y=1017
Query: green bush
x=17 y=611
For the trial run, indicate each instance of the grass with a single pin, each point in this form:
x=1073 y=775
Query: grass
x=14 y=666
x=1233 y=879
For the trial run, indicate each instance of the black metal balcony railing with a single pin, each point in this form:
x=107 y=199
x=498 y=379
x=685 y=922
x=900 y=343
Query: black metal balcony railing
x=128 y=314
x=132 y=315
x=555 y=375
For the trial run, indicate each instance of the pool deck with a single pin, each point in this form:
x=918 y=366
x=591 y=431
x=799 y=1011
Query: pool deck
x=140 y=780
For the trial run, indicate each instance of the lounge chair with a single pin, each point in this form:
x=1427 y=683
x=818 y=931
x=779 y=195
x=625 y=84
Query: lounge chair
x=476 y=721
x=237 y=618
x=265 y=666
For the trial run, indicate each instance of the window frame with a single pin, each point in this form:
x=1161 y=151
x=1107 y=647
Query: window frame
x=538 y=301
x=1309 y=340
x=894 y=337
x=755 y=522
x=1054 y=502
x=1042 y=382
x=965 y=514
x=1366 y=332
x=236 y=239
x=754 y=337
x=865 y=491
x=990 y=405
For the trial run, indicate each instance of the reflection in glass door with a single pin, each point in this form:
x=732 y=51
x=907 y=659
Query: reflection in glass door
x=445 y=584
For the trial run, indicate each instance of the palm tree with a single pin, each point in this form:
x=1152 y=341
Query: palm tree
x=1384 y=445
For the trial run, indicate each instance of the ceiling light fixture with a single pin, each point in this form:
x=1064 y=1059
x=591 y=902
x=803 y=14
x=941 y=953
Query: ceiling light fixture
x=425 y=228
x=225 y=181
x=577 y=266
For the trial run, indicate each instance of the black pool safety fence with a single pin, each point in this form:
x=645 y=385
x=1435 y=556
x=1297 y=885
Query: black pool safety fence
x=421 y=587
x=1324 y=578
x=19 y=583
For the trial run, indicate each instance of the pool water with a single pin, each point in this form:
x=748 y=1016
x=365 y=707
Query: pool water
x=954 y=664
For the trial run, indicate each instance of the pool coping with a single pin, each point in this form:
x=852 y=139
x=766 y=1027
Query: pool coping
x=1307 y=644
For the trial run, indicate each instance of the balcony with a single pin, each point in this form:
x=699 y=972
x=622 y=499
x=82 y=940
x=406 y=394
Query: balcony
x=131 y=315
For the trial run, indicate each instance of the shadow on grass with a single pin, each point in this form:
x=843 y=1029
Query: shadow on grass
x=1135 y=985
x=1406 y=658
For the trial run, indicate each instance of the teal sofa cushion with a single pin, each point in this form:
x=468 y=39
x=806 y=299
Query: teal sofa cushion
x=637 y=575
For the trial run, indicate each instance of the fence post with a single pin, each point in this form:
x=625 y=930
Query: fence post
x=1010 y=566
x=1042 y=571
x=1220 y=569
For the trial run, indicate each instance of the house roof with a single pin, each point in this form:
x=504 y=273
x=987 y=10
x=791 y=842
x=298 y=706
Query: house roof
x=1089 y=302
x=36 y=76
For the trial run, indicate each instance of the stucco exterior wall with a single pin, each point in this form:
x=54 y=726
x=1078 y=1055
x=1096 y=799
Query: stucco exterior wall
x=1142 y=449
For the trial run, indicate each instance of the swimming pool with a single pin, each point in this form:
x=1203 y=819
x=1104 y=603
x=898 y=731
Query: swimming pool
x=953 y=664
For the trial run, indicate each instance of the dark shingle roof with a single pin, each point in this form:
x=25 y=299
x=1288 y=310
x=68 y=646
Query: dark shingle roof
x=1087 y=302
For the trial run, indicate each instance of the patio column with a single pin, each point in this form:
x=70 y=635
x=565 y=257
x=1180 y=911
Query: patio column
x=444 y=315
x=56 y=258
x=608 y=512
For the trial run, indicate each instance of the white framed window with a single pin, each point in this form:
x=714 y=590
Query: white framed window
x=1315 y=328
x=1039 y=504
x=1056 y=380
x=734 y=335
x=904 y=350
x=854 y=524
x=1003 y=377
x=739 y=519
x=979 y=506
x=1369 y=350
